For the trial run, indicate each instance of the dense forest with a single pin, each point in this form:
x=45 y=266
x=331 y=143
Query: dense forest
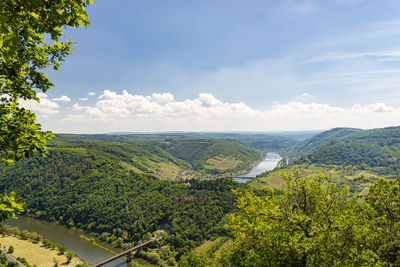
x=315 y=142
x=86 y=187
x=194 y=151
x=376 y=150
x=314 y=222
x=268 y=142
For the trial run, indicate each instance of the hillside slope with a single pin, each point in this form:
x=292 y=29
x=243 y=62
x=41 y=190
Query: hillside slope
x=213 y=155
x=377 y=150
x=270 y=142
x=208 y=155
x=142 y=158
x=88 y=188
x=314 y=143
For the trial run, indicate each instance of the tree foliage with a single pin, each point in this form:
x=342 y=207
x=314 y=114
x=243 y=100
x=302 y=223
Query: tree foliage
x=8 y=206
x=31 y=40
x=316 y=223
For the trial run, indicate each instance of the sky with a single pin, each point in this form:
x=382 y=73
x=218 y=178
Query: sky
x=228 y=65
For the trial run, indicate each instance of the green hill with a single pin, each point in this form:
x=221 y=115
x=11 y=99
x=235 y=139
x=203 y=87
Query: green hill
x=141 y=158
x=88 y=185
x=377 y=150
x=208 y=155
x=314 y=143
x=270 y=142
x=344 y=154
x=213 y=155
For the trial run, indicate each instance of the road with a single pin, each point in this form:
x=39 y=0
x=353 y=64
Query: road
x=10 y=258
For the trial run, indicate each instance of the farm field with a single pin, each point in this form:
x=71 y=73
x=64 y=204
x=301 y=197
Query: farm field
x=222 y=163
x=35 y=253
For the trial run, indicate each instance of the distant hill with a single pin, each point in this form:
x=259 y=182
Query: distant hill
x=377 y=150
x=213 y=155
x=140 y=158
x=203 y=154
x=123 y=138
x=262 y=141
x=314 y=143
x=270 y=142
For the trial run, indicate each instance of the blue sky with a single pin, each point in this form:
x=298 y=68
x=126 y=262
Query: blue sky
x=222 y=65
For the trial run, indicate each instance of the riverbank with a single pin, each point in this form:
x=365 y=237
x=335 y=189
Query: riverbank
x=36 y=253
x=252 y=166
x=67 y=237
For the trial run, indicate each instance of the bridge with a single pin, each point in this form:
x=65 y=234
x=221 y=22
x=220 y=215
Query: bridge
x=126 y=252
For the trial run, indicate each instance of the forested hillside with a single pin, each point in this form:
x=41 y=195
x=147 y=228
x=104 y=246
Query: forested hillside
x=344 y=154
x=209 y=154
x=314 y=143
x=141 y=158
x=270 y=142
x=83 y=184
x=377 y=150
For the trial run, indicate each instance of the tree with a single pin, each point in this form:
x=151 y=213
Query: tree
x=70 y=256
x=8 y=206
x=61 y=249
x=194 y=259
x=313 y=223
x=31 y=40
x=384 y=198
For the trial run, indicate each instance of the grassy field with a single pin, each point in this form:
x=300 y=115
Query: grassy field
x=340 y=175
x=222 y=163
x=35 y=253
x=161 y=170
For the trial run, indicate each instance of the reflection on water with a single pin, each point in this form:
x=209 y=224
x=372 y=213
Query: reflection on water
x=267 y=164
x=66 y=237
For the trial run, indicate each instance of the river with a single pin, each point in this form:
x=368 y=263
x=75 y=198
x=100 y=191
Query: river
x=68 y=238
x=268 y=164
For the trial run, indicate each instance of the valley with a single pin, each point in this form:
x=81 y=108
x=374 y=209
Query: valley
x=121 y=189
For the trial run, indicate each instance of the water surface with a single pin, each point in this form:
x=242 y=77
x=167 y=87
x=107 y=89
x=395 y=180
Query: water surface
x=68 y=238
x=268 y=164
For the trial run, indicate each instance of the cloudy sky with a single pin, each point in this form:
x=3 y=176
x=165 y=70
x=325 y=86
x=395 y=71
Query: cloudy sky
x=228 y=65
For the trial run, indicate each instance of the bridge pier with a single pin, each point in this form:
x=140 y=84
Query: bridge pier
x=126 y=252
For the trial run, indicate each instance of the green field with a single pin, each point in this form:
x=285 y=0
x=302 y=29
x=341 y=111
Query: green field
x=222 y=163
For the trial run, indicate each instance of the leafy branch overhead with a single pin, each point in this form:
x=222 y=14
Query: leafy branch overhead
x=31 y=40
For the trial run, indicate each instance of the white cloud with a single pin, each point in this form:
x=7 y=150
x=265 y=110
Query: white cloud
x=162 y=98
x=128 y=112
x=92 y=93
x=63 y=98
x=78 y=107
x=83 y=99
x=305 y=94
x=46 y=106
